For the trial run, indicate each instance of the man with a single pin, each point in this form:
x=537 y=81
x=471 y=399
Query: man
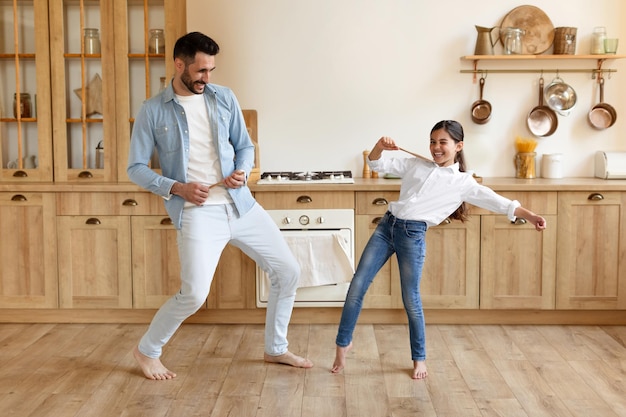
x=206 y=154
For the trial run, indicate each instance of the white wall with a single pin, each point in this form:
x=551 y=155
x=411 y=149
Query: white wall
x=329 y=77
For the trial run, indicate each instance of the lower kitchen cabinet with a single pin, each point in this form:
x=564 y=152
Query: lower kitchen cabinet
x=28 y=276
x=94 y=261
x=591 y=267
x=451 y=272
x=156 y=265
x=518 y=264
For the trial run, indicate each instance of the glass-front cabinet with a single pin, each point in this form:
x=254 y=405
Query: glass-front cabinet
x=83 y=95
x=25 y=117
x=144 y=64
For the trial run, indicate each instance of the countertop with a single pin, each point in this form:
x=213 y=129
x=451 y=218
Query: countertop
x=360 y=184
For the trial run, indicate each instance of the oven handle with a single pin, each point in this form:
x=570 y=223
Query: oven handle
x=304 y=199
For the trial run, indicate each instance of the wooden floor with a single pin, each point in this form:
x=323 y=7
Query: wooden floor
x=475 y=370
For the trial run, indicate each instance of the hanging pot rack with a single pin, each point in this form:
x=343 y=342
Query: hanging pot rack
x=596 y=73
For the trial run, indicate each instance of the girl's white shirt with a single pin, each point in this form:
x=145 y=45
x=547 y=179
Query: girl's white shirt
x=431 y=193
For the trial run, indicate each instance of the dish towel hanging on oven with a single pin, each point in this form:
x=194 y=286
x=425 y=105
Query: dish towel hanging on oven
x=323 y=259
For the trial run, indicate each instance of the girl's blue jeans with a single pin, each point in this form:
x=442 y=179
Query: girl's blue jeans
x=405 y=238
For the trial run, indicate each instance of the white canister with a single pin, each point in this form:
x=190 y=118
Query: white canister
x=551 y=166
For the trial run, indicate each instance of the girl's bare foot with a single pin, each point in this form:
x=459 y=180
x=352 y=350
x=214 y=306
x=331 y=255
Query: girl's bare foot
x=289 y=358
x=419 y=370
x=152 y=367
x=340 y=358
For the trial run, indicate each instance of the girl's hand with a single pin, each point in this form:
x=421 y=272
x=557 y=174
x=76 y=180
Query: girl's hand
x=387 y=144
x=384 y=144
x=539 y=222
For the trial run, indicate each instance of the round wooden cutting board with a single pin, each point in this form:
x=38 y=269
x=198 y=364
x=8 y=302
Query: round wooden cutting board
x=539 y=31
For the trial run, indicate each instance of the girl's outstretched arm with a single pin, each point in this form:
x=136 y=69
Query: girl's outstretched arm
x=538 y=221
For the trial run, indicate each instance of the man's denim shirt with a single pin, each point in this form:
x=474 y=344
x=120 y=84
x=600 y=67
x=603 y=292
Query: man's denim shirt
x=161 y=123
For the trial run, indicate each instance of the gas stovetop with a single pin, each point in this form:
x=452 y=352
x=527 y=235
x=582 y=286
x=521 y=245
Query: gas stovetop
x=313 y=177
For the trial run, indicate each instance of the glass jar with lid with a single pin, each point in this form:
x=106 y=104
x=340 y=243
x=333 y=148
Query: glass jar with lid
x=513 y=40
x=597 y=40
x=92 y=41
x=156 y=43
x=24 y=106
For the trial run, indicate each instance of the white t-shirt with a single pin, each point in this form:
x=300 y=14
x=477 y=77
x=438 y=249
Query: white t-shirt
x=204 y=163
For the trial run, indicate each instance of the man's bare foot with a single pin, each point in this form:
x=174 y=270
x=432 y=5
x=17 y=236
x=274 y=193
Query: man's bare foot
x=340 y=358
x=152 y=367
x=419 y=370
x=289 y=358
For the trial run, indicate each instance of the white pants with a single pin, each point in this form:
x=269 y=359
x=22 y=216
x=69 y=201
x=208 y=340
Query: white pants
x=205 y=232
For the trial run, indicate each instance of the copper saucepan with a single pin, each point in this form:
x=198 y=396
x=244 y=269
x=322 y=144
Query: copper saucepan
x=602 y=115
x=542 y=120
x=481 y=109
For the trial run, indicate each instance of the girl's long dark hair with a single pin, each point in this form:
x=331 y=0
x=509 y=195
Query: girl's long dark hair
x=455 y=130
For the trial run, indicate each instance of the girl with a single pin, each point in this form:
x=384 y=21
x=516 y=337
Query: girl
x=430 y=192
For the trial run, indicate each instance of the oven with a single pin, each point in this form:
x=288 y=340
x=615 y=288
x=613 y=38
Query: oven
x=322 y=240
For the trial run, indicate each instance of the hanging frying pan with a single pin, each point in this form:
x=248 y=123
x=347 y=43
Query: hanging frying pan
x=602 y=115
x=481 y=109
x=542 y=120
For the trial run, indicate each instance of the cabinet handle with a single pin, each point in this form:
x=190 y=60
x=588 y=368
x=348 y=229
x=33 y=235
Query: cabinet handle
x=376 y=220
x=18 y=197
x=595 y=197
x=380 y=201
x=130 y=202
x=167 y=222
x=519 y=221
x=93 y=220
x=20 y=174
x=85 y=174
x=304 y=199
x=446 y=221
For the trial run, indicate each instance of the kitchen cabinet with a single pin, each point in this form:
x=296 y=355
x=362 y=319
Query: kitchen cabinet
x=25 y=136
x=97 y=93
x=28 y=276
x=444 y=284
x=518 y=265
x=591 y=267
x=384 y=292
x=450 y=278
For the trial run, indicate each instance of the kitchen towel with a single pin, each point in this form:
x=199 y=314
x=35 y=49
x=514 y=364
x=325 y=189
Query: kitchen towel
x=323 y=259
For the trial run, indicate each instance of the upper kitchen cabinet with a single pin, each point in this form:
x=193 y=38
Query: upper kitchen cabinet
x=83 y=92
x=143 y=61
x=107 y=57
x=25 y=121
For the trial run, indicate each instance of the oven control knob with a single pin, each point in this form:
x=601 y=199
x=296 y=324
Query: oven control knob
x=286 y=220
x=304 y=220
x=321 y=220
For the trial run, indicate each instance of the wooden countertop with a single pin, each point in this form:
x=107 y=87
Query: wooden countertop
x=360 y=184
x=497 y=184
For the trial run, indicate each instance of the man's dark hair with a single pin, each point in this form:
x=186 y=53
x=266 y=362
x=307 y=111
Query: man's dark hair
x=188 y=45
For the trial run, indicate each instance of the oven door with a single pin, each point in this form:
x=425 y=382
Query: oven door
x=331 y=295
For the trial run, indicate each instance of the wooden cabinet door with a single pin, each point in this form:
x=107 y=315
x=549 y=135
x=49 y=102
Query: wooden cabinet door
x=28 y=276
x=94 y=261
x=517 y=264
x=156 y=265
x=450 y=275
x=25 y=136
x=384 y=292
x=591 y=267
